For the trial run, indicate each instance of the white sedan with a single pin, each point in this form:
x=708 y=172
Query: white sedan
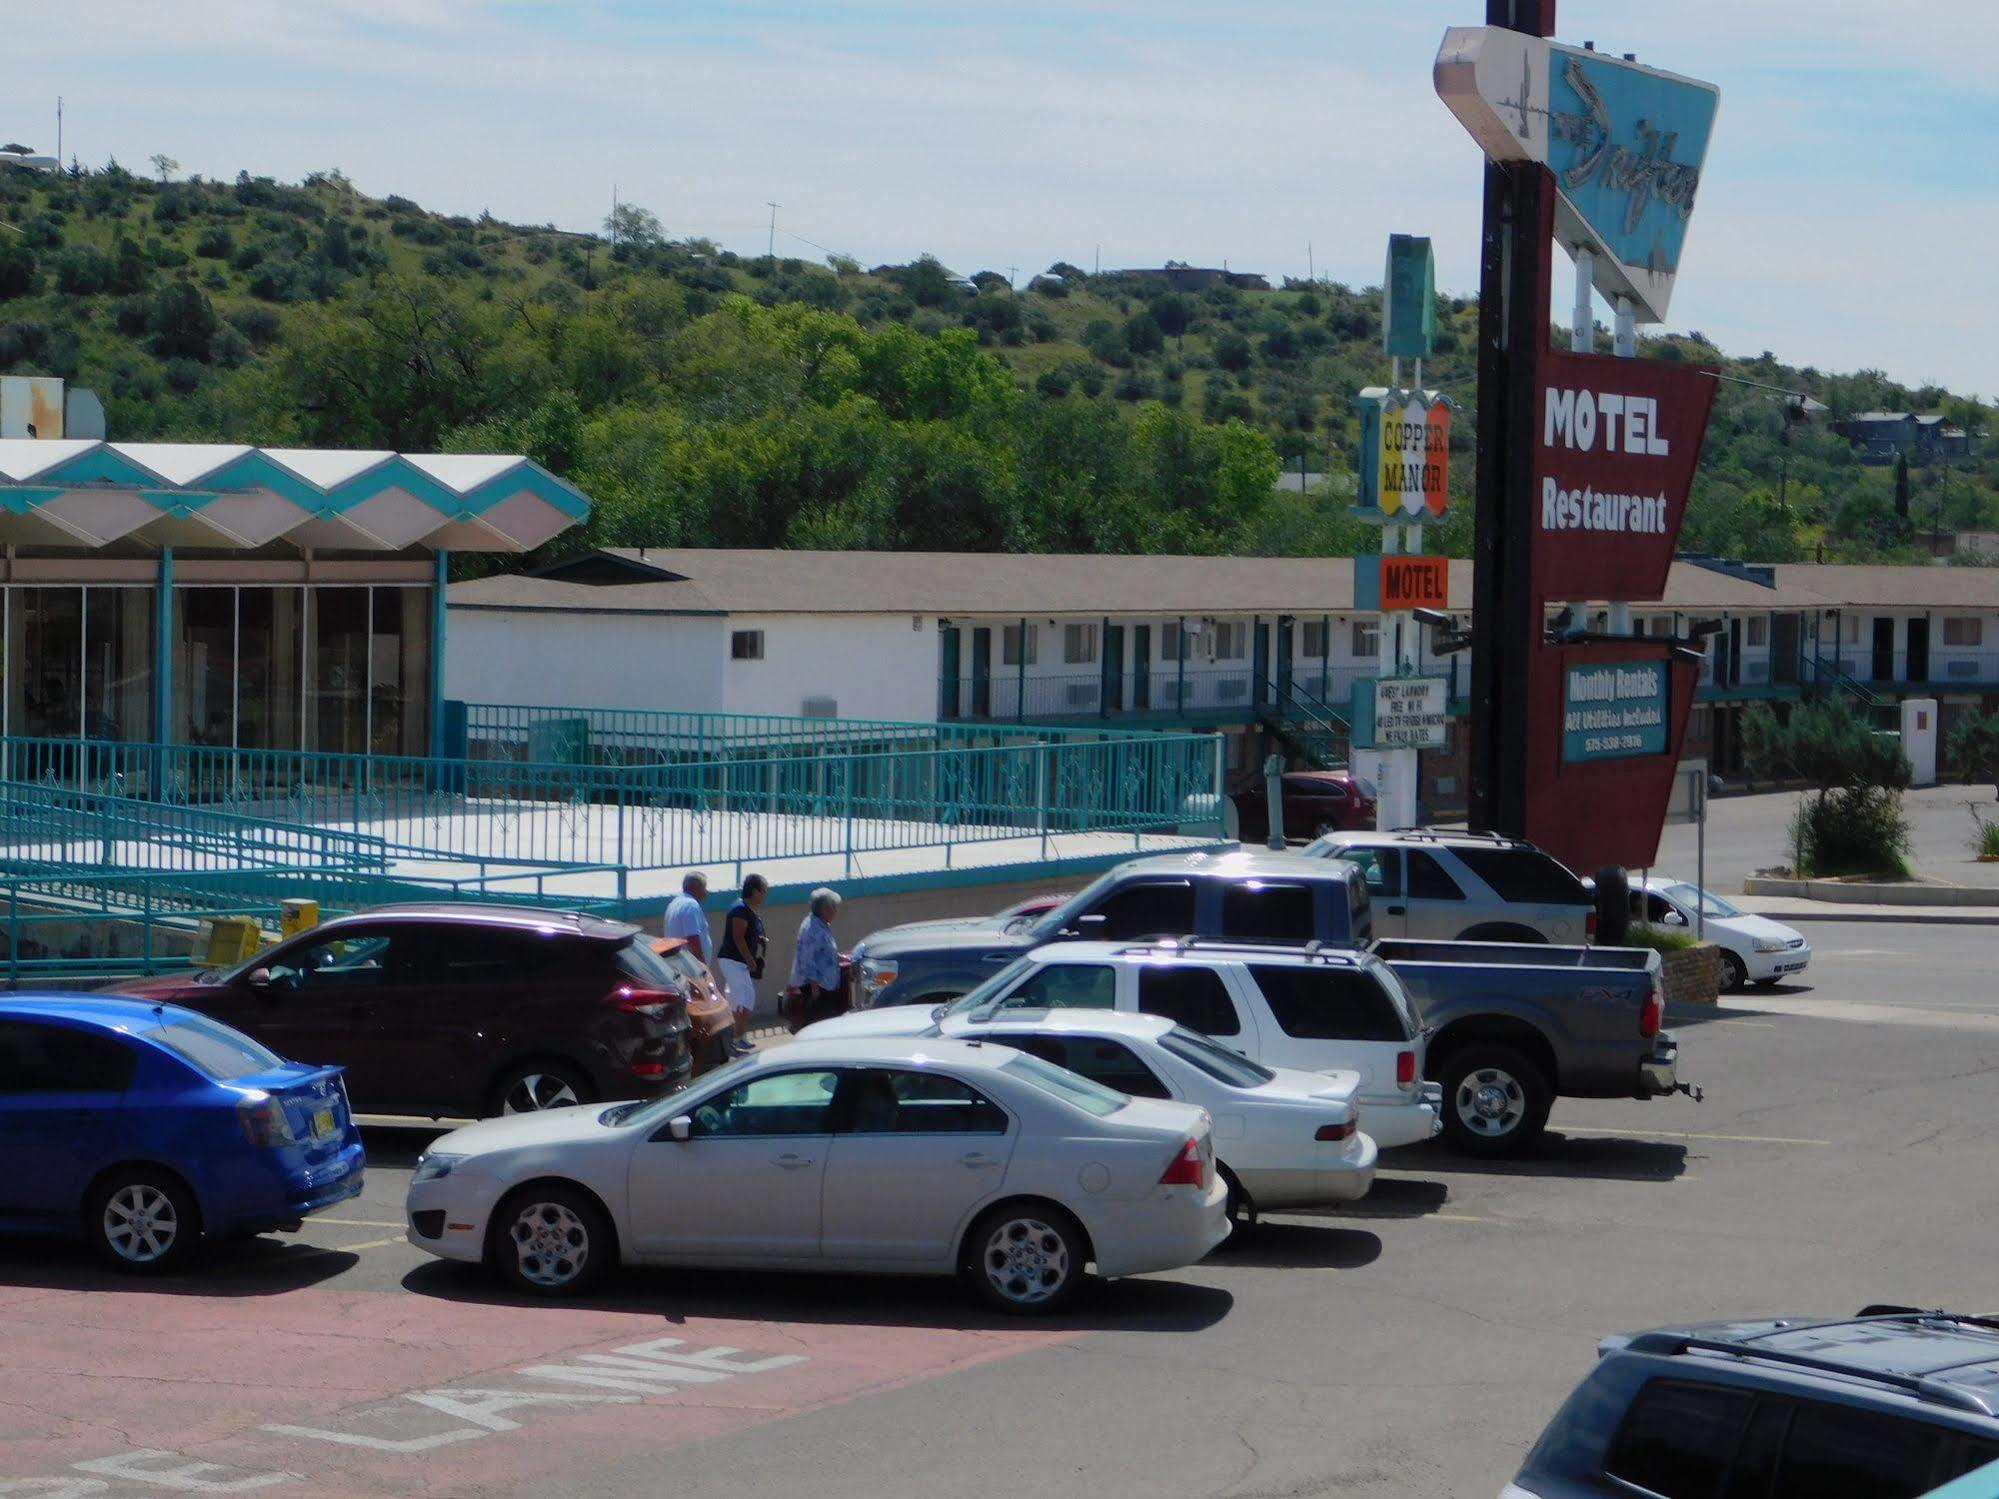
x=924 y=1156
x=1754 y=949
x=1283 y=1139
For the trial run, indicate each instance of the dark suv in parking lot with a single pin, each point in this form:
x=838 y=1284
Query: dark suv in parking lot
x=460 y=1010
x=1886 y=1405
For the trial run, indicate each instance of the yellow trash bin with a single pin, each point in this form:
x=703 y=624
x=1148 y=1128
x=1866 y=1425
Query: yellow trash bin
x=295 y=916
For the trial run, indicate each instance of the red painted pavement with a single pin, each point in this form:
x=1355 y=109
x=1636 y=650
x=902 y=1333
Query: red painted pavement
x=90 y=1374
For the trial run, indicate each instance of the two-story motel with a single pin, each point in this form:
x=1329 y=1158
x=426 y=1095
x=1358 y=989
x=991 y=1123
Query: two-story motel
x=1260 y=649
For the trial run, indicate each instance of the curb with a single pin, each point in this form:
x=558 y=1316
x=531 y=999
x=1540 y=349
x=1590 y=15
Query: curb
x=1907 y=915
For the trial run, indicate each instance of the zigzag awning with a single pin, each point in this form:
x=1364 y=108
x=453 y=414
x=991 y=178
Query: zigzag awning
x=81 y=492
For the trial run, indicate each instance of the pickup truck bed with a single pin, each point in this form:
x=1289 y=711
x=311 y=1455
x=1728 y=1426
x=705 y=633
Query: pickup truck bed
x=1516 y=1025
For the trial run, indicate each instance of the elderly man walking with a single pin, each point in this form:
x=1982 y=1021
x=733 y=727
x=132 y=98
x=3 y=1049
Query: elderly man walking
x=685 y=918
x=815 y=966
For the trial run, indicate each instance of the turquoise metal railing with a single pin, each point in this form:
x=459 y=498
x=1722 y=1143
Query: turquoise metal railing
x=45 y=824
x=622 y=735
x=62 y=923
x=806 y=801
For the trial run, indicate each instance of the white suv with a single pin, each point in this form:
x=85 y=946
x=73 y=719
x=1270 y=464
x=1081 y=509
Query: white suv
x=1464 y=887
x=1312 y=1010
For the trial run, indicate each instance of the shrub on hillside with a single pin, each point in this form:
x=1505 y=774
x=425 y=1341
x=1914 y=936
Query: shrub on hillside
x=215 y=243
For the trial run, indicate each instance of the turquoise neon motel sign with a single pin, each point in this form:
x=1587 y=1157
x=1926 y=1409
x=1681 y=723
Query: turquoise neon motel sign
x=1626 y=144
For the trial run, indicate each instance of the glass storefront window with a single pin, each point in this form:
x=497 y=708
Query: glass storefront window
x=399 y=671
x=204 y=665
x=45 y=663
x=118 y=663
x=338 y=650
x=267 y=672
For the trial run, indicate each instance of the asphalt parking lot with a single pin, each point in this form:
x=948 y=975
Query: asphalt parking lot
x=1846 y=1153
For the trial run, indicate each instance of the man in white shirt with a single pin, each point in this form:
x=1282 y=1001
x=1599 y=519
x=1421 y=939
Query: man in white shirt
x=685 y=918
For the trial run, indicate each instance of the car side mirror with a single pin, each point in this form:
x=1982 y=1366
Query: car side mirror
x=260 y=980
x=680 y=1127
x=1674 y=918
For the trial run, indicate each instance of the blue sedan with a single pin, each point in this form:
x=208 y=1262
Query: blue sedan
x=147 y=1126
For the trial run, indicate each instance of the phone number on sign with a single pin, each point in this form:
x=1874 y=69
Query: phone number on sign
x=1607 y=744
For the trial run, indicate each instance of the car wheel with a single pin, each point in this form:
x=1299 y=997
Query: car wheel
x=1241 y=1206
x=533 y=1086
x=1495 y=1101
x=550 y=1240
x=142 y=1220
x=1733 y=974
x=1026 y=1259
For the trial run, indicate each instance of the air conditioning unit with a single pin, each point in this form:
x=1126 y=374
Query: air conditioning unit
x=820 y=707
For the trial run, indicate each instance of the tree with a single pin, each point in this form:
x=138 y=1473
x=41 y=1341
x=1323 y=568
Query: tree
x=1173 y=313
x=17 y=268
x=1972 y=750
x=1849 y=820
x=634 y=227
x=1902 y=487
x=165 y=165
x=1232 y=352
x=182 y=322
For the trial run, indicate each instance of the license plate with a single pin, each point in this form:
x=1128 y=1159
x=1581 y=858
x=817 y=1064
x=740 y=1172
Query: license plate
x=322 y=1124
x=1789 y=967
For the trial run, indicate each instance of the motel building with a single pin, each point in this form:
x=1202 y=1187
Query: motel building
x=1262 y=651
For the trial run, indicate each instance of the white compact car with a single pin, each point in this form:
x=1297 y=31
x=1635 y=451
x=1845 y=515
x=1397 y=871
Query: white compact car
x=1283 y=1139
x=1754 y=949
x=921 y=1156
x=1332 y=1010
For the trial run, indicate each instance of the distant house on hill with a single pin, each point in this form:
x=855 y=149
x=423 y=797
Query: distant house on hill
x=1183 y=277
x=1882 y=435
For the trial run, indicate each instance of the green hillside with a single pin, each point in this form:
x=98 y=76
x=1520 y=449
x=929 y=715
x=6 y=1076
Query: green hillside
x=707 y=398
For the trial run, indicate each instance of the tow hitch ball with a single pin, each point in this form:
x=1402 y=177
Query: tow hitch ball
x=1692 y=1090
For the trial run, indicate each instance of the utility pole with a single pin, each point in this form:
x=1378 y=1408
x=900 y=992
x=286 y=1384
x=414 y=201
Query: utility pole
x=58 y=129
x=1011 y=272
x=1311 y=270
x=770 y=244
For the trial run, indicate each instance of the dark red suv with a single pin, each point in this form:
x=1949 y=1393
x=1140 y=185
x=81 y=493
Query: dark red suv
x=1315 y=802
x=460 y=1010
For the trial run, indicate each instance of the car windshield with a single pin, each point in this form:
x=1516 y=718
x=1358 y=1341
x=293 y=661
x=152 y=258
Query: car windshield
x=1091 y=1098
x=663 y=1106
x=1221 y=1064
x=1065 y=914
x=213 y=1049
x=997 y=984
x=1706 y=901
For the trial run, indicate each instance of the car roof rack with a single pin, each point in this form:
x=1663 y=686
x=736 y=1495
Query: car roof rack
x=1438 y=835
x=1922 y=1386
x=1262 y=946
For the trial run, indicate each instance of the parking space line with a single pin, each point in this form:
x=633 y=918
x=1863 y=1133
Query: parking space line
x=374 y=1243
x=357 y=1222
x=1660 y=1134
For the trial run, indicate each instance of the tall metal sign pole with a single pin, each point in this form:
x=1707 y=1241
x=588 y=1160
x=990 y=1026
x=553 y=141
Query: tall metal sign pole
x=1514 y=252
x=1584 y=461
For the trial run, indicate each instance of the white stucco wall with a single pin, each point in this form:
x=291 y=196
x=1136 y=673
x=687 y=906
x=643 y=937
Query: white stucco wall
x=544 y=658
x=871 y=665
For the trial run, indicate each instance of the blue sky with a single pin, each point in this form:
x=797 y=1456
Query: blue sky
x=1851 y=190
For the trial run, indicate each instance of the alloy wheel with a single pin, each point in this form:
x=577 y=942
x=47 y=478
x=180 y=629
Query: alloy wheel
x=534 y=1091
x=1490 y=1102
x=140 y=1223
x=1026 y=1261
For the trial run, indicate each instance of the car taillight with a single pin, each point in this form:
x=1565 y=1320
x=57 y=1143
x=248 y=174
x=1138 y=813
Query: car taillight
x=1652 y=1012
x=648 y=1069
x=1186 y=1169
x=264 y=1122
x=655 y=1004
x=1336 y=1131
x=1405 y=1068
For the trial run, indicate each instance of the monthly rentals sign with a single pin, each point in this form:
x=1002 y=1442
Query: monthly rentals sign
x=1616 y=444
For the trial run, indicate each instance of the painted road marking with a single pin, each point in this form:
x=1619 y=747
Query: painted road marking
x=372 y=1243
x=358 y=1222
x=1660 y=1134
x=238 y=1416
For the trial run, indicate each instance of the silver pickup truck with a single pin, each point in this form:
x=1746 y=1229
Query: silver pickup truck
x=1513 y=1026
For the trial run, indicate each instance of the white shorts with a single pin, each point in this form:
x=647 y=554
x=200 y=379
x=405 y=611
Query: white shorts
x=737 y=984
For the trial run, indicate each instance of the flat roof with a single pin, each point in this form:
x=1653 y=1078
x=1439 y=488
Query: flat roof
x=71 y=492
x=1004 y=585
